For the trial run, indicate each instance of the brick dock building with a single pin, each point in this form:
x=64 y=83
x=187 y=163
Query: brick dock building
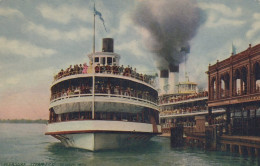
x=234 y=85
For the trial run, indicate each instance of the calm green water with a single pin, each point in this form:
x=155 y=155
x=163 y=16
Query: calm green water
x=27 y=144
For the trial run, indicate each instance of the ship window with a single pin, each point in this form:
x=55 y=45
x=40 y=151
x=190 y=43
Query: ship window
x=103 y=61
x=97 y=59
x=109 y=60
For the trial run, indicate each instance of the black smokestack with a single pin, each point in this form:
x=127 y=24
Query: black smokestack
x=173 y=68
x=170 y=25
x=164 y=74
x=108 y=45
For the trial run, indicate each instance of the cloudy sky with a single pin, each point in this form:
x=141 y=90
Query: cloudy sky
x=38 y=38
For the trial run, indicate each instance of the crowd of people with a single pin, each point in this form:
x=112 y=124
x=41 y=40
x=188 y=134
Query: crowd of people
x=184 y=110
x=183 y=122
x=108 y=69
x=183 y=97
x=102 y=89
x=76 y=69
x=143 y=117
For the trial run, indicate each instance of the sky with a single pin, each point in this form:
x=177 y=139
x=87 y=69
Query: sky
x=38 y=38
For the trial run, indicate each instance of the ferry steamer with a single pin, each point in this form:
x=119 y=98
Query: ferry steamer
x=103 y=105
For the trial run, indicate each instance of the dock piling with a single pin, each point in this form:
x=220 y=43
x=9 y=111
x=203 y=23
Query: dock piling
x=240 y=147
x=249 y=151
x=256 y=152
x=177 y=136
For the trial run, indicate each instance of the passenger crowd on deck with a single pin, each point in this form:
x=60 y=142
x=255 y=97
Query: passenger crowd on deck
x=143 y=117
x=108 y=69
x=183 y=97
x=184 y=110
x=185 y=122
x=102 y=89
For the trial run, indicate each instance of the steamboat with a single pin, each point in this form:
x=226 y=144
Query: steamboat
x=103 y=105
x=183 y=107
x=181 y=103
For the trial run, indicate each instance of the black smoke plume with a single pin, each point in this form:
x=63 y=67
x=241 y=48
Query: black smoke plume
x=170 y=25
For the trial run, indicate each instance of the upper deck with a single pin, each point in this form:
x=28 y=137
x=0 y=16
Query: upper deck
x=111 y=80
x=181 y=99
x=183 y=105
x=105 y=71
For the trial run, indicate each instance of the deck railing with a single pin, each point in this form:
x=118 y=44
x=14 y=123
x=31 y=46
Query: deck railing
x=180 y=112
x=185 y=98
x=106 y=95
x=142 y=77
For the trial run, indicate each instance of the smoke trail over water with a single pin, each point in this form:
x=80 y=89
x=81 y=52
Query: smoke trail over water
x=170 y=25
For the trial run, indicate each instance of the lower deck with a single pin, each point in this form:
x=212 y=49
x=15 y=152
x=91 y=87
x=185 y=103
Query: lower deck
x=90 y=126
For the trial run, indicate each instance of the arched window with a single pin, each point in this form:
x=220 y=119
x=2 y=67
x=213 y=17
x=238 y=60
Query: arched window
x=257 y=77
x=222 y=88
x=237 y=82
x=213 y=88
x=244 y=80
x=224 y=91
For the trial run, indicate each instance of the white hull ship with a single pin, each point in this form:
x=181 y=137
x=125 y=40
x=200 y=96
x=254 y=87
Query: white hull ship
x=96 y=135
x=119 y=111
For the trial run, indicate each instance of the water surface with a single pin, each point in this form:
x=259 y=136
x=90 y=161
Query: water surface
x=27 y=144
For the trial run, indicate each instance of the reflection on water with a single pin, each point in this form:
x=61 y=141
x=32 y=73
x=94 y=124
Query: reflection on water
x=156 y=152
x=127 y=156
x=26 y=143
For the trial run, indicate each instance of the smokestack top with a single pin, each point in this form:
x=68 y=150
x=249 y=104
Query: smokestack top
x=164 y=74
x=173 y=68
x=108 y=45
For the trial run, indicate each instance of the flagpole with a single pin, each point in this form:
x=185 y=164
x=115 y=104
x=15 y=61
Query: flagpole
x=94 y=27
x=93 y=69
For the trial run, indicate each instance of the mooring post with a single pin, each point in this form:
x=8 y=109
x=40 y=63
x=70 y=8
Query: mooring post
x=177 y=136
x=231 y=148
x=224 y=147
x=256 y=152
x=240 y=149
x=249 y=151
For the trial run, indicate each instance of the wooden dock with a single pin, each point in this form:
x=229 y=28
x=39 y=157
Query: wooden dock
x=249 y=145
x=211 y=140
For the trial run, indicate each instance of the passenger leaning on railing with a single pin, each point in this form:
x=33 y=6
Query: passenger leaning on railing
x=108 y=69
x=85 y=69
x=71 y=70
x=69 y=91
x=97 y=68
x=134 y=73
x=76 y=69
x=102 y=69
x=127 y=71
x=115 y=69
x=121 y=69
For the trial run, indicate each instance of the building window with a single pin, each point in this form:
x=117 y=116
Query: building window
x=103 y=61
x=109 y=60
x=96 y=59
